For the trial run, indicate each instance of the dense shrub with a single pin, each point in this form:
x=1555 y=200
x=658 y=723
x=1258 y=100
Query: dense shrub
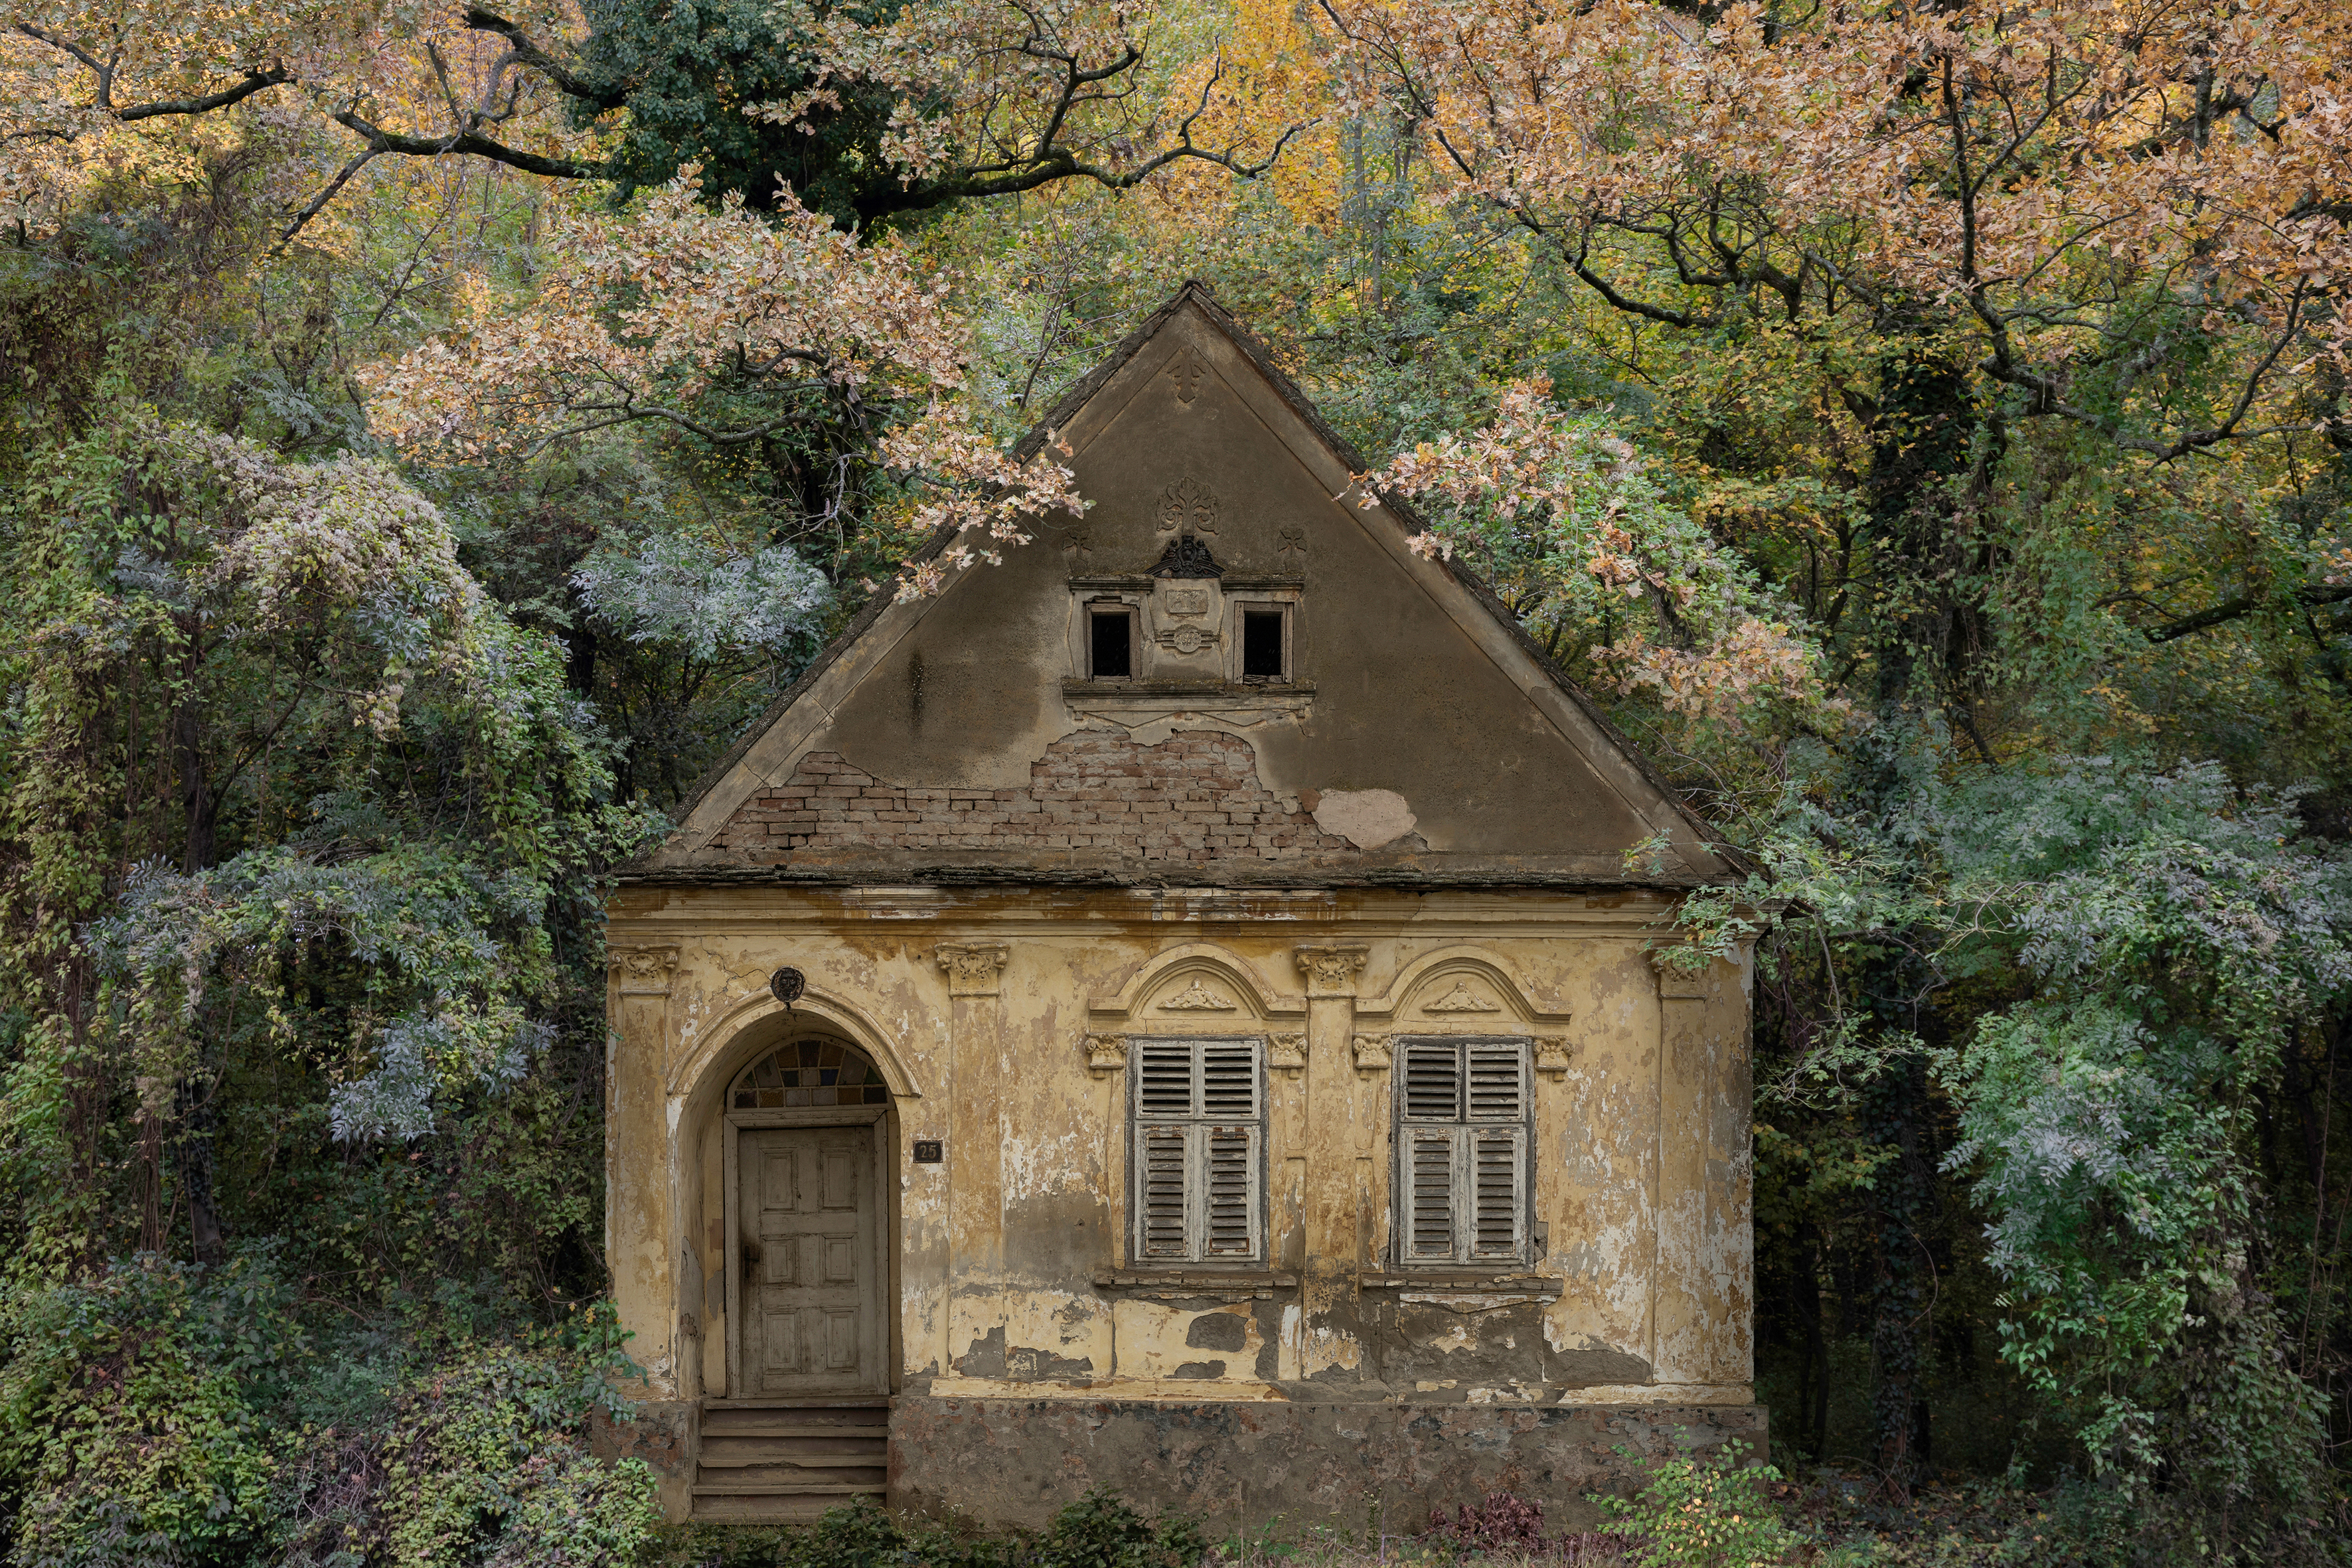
x=162 y=1412
x=1098 y=1530
x=1707 y=1513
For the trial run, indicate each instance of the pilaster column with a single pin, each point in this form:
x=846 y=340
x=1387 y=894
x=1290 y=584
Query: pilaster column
x=1687 y=1309
x=975 y=1158
x=1339 y=1202
x=644 y=1168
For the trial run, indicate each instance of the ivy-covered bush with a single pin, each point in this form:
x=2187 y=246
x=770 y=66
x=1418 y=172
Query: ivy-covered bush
x=133 y=1407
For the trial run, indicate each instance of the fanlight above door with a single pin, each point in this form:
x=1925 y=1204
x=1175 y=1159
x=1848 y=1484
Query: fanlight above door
x=808 y=1073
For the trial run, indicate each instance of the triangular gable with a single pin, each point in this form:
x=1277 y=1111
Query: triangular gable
x=1416 y=734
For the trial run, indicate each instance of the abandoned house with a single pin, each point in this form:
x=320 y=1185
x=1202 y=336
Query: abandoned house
x=1177 y=1011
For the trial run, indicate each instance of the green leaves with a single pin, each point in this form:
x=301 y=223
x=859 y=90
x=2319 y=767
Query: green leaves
x=1709 y=1512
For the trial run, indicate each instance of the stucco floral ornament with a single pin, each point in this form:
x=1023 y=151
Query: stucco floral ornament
x=1286 y=1054
x=1188 y=506
x=643 y=970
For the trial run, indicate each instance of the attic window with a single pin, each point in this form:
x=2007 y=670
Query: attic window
x=1110 y=642
x=1263 y=638
x=1462 y=1150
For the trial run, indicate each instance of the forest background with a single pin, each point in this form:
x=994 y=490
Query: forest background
x=431 y=434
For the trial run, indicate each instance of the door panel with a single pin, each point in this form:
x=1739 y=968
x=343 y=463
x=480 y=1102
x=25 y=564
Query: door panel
x=809 y=1236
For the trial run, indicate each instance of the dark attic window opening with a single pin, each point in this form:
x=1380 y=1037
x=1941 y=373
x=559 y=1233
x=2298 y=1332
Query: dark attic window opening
x=1262 y=645
x=1110 y=654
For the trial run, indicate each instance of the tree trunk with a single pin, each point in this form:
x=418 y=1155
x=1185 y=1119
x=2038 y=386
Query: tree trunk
x=199 y=809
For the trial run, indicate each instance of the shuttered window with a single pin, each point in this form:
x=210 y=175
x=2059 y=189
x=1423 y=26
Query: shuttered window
x=1200 y=1140
x=1462 y=1150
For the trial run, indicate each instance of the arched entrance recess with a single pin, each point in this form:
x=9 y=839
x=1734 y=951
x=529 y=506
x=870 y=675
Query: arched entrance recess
x=807 y=1163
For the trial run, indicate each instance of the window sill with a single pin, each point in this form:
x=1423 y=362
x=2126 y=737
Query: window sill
x=1237 y=1284
x=1455 y=1282
x=1247 y=692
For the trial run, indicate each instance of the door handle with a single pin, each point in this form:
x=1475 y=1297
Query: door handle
x=751 y=1261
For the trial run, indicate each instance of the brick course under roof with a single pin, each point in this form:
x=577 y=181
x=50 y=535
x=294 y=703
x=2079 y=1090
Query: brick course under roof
x=1190 y=797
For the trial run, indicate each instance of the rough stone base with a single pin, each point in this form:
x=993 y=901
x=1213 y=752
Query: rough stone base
x=656 y=1433
x=1241 y=1467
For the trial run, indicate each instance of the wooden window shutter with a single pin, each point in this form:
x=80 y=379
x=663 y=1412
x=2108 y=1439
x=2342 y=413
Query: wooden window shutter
x=1499 y=1202
x=1198 y=1150
x=1432 y=1081
x=1429 y=1195
x=1229 y=1179
x=1161 y=1191
x=1462 y=1142
x=1497 y=1074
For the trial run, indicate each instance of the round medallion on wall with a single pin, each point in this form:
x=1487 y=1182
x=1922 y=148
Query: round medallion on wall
x=786 y=985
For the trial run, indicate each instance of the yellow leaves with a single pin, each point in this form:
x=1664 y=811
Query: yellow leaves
x=730 y=326
x=642 y=314
x=1751 y=659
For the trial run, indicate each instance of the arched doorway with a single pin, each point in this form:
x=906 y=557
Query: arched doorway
x=808 y=1213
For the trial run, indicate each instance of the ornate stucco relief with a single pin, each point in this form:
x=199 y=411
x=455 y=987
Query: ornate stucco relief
x=643 y=970
x=973 y=969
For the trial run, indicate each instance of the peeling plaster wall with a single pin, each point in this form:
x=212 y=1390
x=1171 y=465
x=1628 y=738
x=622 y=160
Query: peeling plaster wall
x=1012 y=1267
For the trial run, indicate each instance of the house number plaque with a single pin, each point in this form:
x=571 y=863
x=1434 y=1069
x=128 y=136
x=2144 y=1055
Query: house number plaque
x=930 y=1151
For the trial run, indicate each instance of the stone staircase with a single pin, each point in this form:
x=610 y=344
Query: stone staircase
x=775 y=1460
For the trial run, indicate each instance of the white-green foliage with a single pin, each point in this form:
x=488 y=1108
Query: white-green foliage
x=2178 y=931
x=2164 y=934
x=433 y=936
x=456 y=778
x=706 y=599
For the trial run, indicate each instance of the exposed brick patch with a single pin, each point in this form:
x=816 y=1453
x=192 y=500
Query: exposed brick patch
x=1190 y=797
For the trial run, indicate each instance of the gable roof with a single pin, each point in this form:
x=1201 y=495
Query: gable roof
x=765 y=767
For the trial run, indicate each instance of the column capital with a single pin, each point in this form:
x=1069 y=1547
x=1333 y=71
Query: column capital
x=1371 y=1052
x=1105 y=1054
x=1330 y=970
x=644 y=970
x=1675 y=981
x=973 y=969
x=1286 y=1054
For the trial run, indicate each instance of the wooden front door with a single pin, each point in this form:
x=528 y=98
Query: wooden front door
x=809 y=1252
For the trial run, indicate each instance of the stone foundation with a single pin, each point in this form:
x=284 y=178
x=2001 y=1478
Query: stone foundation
x=660 y=1433
x=1240 y=1466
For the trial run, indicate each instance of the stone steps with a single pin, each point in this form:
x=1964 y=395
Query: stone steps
x=787 y=1460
